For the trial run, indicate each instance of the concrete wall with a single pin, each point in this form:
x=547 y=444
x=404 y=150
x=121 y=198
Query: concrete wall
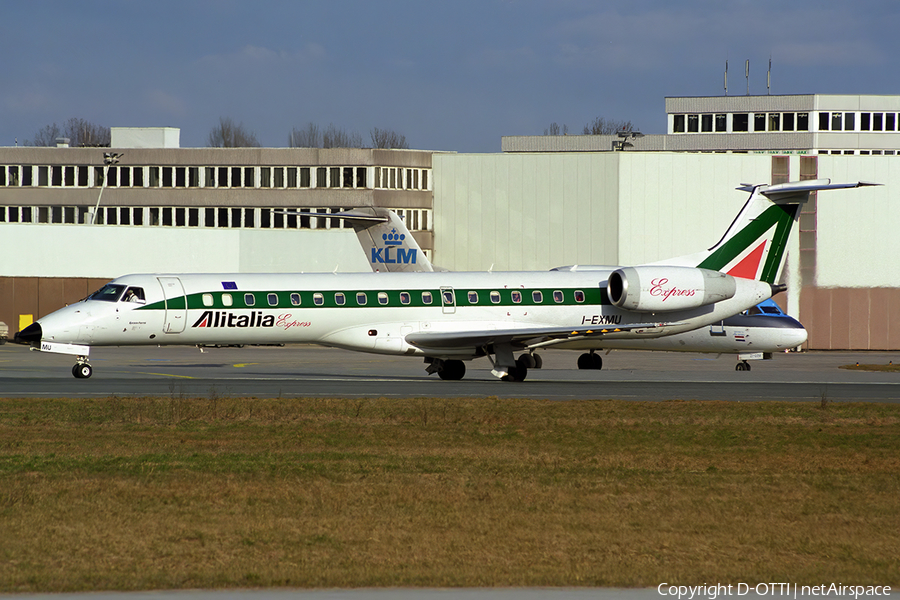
x=537 y=211
x=525 y=211
x=858 y=244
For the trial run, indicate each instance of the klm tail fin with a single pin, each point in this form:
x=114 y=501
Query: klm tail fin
x=754 y=245
x=388 y=244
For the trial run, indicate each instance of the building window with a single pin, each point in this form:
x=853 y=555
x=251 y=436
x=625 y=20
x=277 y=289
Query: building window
x=721 y=126
x=787 y=122
x=823 y=120
x=706 y=123
x=878 y=122
x=678 y=124
x=693 y=123
x=890 y=122
x=348 y=177
x=774 y=122
x=836 y=119
x=802 y=121
x=304 y=178
x=849 y=121
x=759 y=122
x=740 y=122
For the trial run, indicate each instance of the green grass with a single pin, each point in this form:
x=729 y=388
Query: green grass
x=889 y=368
x=154 y=493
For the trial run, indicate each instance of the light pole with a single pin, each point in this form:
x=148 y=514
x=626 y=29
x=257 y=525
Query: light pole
x=109 y=158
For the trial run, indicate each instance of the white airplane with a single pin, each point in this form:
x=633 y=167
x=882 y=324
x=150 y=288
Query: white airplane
x=448 y=318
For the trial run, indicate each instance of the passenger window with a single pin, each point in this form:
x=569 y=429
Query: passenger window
x=427 y=298
x=295 y=299
x=361 y=298
x=473 y=297
x=537 y=296
x=207 y=299
x=318 y=299
x=495 y=297
x=448 y=297
x=516 y=296
x=273 y=299
x=339 y=299
x=557 y=296
x=579 y=296
x=382 y=298
x=404 y=298
x=227 y=299
x=249 y=299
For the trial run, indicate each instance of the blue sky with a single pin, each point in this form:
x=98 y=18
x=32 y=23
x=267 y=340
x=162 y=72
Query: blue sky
x=452 y=75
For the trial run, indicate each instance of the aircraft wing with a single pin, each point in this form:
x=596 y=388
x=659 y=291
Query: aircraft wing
x=529 y=337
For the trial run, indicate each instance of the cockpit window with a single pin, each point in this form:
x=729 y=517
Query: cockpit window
x=108 y=293
x=134 y=294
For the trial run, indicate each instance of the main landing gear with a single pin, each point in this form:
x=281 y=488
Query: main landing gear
x=742 y=366
x=590 y=360
x=454 y=370
x=82 y=368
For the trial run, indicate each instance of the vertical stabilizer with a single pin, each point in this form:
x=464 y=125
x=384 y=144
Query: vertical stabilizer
x=388 y=244
x=754 y=245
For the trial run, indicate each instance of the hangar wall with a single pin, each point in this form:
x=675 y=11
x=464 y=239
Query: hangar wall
x=535 y=211
x=520 y=212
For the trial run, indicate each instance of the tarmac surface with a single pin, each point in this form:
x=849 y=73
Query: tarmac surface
x=310 y=371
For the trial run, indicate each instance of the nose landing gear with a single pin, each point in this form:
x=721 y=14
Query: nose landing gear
x=82 y=368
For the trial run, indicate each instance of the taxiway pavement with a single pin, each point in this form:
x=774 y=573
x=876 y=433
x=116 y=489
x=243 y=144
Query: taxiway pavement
x=309 y=371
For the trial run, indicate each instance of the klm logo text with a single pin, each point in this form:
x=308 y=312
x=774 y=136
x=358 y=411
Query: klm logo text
x=392 y=255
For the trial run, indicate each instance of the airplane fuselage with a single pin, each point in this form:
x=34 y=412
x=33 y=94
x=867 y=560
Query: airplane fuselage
x=372 y=312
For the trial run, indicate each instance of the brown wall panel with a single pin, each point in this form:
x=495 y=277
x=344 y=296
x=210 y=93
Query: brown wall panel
x=879 y=318
x=858 y=318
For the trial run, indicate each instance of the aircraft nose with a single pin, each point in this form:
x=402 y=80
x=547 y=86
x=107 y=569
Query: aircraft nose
x=31 y=334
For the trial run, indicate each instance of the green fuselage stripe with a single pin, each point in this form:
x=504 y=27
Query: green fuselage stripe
x=286 y=300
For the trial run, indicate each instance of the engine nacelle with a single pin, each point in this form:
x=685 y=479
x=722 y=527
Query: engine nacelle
x=663 y=289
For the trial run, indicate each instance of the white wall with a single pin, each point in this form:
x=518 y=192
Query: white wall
x=109 y=251
x=524 y=211
x=671 y=204
x=858 y=242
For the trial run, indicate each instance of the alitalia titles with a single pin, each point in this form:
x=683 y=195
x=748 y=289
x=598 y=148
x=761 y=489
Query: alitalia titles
x=224 y=318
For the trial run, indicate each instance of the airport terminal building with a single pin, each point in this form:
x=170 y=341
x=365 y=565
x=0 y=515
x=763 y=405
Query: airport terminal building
x=73 y=218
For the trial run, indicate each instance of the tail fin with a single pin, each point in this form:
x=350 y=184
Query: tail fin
x=754 y=245
x=388 y=244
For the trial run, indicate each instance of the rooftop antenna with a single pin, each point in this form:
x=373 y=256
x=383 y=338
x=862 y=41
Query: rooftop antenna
x=726 y=76
x=769 y=77
x=747 y=75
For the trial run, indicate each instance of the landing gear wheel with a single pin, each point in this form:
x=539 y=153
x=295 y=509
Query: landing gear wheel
x=527 y=361
x=517 y=373
x=82 y=371
x=742 y=366
x=538 y=361
x=452 y=370
x=590 y=360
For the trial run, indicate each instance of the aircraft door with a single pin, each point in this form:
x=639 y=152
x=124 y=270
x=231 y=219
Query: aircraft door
x=448 y=300
x=176 y=304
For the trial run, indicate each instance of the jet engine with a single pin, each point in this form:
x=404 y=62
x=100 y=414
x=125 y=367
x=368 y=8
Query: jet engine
x=662 y=288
